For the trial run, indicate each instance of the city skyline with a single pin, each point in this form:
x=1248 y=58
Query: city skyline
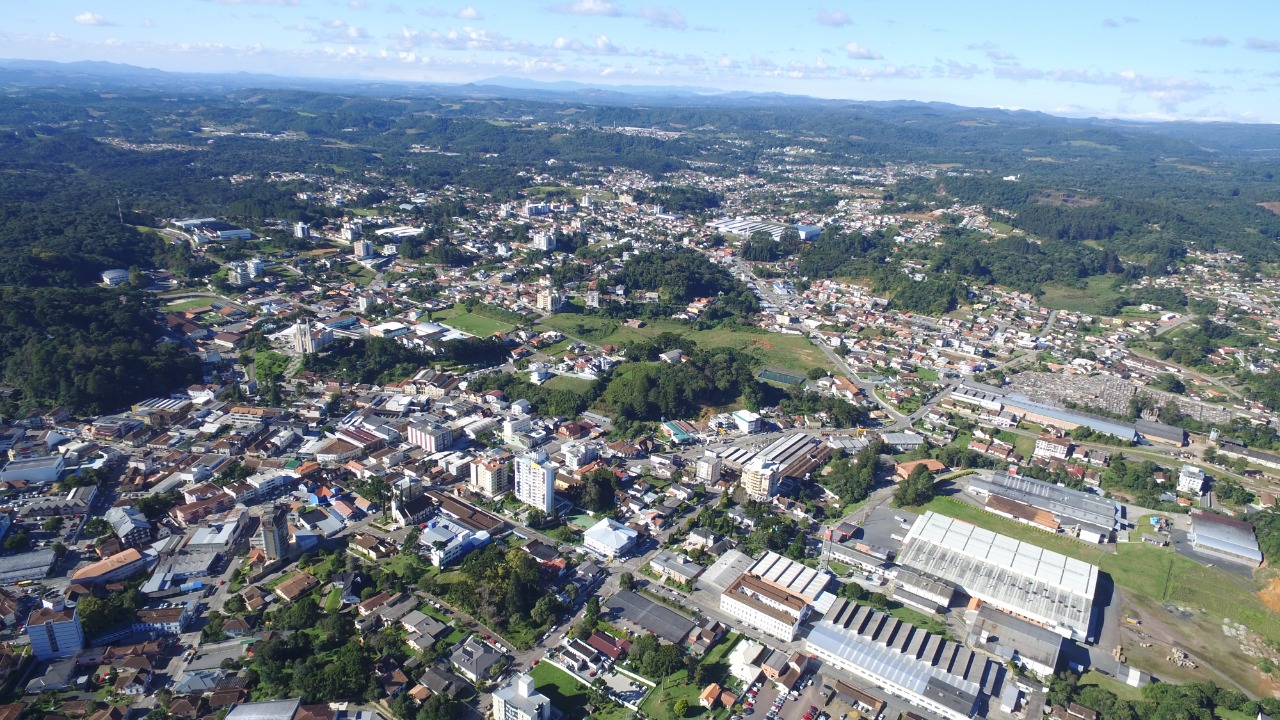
x=1137 y=60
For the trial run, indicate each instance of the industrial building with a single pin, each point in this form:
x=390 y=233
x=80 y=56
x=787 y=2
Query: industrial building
x=792 y=576
x=925 y=670
x=1037 y=584
x=1225 y=538
x=1012 y=639
x=1089 y=517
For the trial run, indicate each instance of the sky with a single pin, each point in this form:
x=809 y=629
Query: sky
x=1168 y=59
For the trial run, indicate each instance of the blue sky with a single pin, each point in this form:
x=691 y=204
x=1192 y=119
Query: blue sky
x=1160 y=60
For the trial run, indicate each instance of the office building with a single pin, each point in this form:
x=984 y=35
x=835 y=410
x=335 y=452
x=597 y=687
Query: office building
x=708 y=469
x=431 y=436
x=609 y=538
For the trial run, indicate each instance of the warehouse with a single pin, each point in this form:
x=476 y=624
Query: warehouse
x=1045 y=587
x=796 y=578
x=1225 y=538
x=1012 y=639
x=926 y=670
x=1087 y=516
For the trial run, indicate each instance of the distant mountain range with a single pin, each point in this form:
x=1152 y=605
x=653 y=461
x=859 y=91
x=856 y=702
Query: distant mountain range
x=99 y=75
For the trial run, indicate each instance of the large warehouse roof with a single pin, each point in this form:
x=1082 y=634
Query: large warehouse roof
x=906 y=657
x=1071 y=507
x=1225 y=536
x=790 y=575
x=1039 y=584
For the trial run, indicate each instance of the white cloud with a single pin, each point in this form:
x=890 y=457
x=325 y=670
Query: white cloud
x=834 y=18
x=1210 y=41
x=1002 y=57
x=861 y=52
x=470 y=13
x=884 y=72
x=1263 y=45
x=659 y=18
x=94 y=19
x=358 y=4
x=957 y=71
x=589 y=7
x=278 y=3
x=147 y=23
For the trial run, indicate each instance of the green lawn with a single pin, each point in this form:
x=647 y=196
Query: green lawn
x=1095 y=297
x=568 y=695
x=269 y=363
x=929 y=623
x=475 y=324
x=784 y=352
x=572 y=384
x=191 y=304
x=1121 y=690
x=840 y=569
x=333 y=601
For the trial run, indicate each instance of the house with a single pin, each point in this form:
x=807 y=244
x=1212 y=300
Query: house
x=474 y=660
x=296 y=586
x=904 y=470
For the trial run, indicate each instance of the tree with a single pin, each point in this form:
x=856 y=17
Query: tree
x=626 y=581
x=916 y=490
x=681 y=708
x=1169 y=413
x=53 y=524
x=17 y=541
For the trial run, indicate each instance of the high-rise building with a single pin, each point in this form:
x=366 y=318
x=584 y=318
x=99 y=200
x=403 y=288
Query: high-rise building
x=544 y=241
x=760 y=478
x=55 y=632
x=489 y=476
x=275 y=532
x=352 y=231
x=549 y=300
x=301 y=230
x=518 y=700
x=708 y=469
x=535 y=480
x=363 y=248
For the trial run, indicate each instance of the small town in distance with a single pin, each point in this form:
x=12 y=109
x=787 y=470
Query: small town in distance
x=470 y=404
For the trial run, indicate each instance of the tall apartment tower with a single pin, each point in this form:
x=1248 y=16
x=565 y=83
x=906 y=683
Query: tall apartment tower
x=275 y=532
x=535 y=480
x=760 y=478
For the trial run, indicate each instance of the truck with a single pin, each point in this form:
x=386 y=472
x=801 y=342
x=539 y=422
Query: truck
x=191 y=586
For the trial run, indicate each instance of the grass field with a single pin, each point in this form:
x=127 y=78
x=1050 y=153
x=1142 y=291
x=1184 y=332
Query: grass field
x=929 y=623
x=191 y=304
x=1095 y=297
x=568 y=695
x=1119 y=689
x=475 y=324
x=572 y=384
x=333 y=600
x=784 y=352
